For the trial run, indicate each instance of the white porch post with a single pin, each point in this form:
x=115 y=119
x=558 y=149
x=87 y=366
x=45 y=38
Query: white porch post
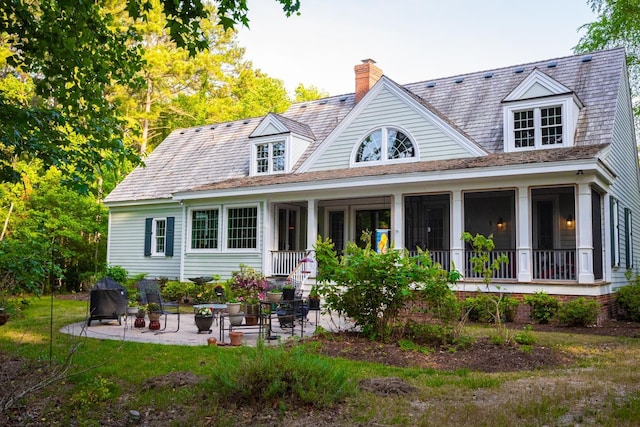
x=312 y=223
x=523 y=235
x=397 y=236
x=268 y=238
x=457 y=228
x=584 y=240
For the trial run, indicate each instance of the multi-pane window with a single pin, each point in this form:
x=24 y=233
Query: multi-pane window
x=523 y=128
x=242 y=228
x=537 y=127
x=204 y=229
x=270 y=157
x=385 y=144
x=159 y=236
x=551 y=125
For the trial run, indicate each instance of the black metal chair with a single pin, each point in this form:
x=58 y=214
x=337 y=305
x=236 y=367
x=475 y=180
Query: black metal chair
x=150 y=292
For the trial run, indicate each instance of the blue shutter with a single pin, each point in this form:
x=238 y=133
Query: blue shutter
x=148 y=225
x=612 y=229
x=168 y=250
x=627 y=243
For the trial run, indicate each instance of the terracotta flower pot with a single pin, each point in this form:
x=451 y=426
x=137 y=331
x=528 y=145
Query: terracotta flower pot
x=236 y=338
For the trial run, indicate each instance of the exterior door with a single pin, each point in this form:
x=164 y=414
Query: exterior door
x=288 y=229
x=336 y=230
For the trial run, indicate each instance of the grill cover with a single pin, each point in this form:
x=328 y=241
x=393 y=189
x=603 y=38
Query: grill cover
x=108 y=300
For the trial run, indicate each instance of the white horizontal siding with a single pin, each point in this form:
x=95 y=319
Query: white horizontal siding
x=222 y=264
x=623 y=159
x=388 y=110
x=126 y=242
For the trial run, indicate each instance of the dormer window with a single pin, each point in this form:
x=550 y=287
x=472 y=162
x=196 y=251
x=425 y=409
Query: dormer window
x=270 y=157
x=540 y=113
x=386 y=144
x=537 y=127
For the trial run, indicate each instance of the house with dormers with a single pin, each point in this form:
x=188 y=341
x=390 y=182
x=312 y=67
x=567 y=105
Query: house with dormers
x=541 y=155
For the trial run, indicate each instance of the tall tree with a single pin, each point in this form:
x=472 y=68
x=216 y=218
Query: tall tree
x=618 y=25
x=310 y=93
x=73 y=52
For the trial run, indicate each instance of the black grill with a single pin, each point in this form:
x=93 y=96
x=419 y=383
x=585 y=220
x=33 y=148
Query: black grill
x=108 y=301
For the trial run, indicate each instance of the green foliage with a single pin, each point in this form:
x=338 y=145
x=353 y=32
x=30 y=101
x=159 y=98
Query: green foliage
x=578 y=312
x=628 y=299
x=97 y=391
x=481 y=261
x=177 y=291
x=276 y=377
x=371 y=288
x=543 y=306
x=117 y=273
x=525 y=337
x=310 y=93
x=616 y=25
x=429 y=334
x=482 y=308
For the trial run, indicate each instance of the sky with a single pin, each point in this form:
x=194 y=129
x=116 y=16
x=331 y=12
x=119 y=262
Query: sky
x=410 y=40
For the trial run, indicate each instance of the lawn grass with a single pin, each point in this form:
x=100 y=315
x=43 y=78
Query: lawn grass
x=180 y=385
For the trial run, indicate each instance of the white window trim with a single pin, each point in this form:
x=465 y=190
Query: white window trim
x=569 y=118
x=190 y=225
x=225 y=231
x=270 y=140
x=154 y=224
x=384 y=161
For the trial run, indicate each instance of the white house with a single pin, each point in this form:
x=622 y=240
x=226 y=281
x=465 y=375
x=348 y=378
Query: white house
x=541 y=155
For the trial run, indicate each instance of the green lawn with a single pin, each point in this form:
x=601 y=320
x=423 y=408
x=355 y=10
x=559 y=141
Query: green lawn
x=185 y=385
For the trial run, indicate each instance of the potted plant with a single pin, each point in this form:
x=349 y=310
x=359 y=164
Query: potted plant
x=155 y=311
x=233 y=305
x=204 y=319
x=288 y=292
x=274 y=295
x=314 y=299
x=132 y=307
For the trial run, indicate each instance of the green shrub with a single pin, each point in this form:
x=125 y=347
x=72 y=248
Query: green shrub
x=482 y=308
x=578 y=312
x=430 y=334
x=628 y=299
x=284 y=378
x=525 y=337
x=543 y=306
x=117 y=273
x=177 y=291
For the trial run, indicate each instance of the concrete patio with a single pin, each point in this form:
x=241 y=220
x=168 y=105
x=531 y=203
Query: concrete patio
x=187 y=333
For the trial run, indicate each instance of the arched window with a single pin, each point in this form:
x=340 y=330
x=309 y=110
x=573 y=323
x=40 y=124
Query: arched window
x=385 y=144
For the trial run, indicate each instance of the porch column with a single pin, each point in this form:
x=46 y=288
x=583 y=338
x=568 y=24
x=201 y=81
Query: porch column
x=523 y=235
x=268 y=238
x=312 y=223
x=584 y=240
x=457 y=228
x=397 y=214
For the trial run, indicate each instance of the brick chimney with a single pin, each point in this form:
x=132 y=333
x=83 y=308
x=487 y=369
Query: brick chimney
x=367 y=74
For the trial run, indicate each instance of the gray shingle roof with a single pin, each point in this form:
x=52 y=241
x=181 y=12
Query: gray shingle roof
x=217 y=156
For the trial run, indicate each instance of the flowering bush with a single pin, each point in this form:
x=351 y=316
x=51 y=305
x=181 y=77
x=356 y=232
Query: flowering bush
x=204 y=311
x=248 y=284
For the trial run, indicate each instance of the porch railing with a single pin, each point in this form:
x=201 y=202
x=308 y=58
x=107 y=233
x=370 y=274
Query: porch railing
x=506 y=270
x=554 y=264
x=442 y=257
x=284 y=262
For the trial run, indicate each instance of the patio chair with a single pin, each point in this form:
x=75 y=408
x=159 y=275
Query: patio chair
x=150 y=292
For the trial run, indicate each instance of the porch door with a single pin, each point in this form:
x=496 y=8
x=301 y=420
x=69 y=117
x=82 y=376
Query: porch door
x=288 y=229
x=368 y=221
x=546 y=238
x=336 y=229
x=596 y=233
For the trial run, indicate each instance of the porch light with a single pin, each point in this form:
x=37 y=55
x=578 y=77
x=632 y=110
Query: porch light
x=570 y=221
x=501 y=224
